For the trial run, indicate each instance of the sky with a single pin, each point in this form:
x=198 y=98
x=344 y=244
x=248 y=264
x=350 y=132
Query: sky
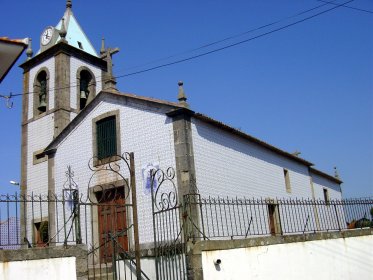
x=307 y=87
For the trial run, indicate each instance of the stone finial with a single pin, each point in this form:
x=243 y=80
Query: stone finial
x=29 y=51
x=69 y=4
x=63 y=31
x=102 y=50
x=296 y=153
x=336 y=175
x=181 y=95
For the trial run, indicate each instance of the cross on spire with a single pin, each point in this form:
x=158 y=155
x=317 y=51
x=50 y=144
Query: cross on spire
x=107 y=55
x=69 y=4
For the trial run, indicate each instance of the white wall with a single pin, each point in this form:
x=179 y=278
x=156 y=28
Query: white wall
x=40 y=134
x=227 y=165
x=339 y=259
x=146 y=132
x=51 y=269
x=320 y=183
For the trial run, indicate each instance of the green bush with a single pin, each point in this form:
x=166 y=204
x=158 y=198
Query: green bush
x=363 y=223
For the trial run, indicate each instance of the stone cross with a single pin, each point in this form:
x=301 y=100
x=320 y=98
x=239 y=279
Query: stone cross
x=107 y=55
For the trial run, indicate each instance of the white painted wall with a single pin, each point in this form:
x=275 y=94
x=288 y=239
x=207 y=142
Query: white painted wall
x=51 y=269
x=339 y=259
x=126 y=270
x=147 y=132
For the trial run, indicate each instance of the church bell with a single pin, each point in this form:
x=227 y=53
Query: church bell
x=83 y=94
x=42 y=106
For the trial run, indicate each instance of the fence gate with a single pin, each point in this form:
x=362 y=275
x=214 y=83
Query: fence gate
x=169 y=245
x=109 y=212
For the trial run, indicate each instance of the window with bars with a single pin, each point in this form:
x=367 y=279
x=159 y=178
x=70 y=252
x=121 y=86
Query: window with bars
x=106 y=138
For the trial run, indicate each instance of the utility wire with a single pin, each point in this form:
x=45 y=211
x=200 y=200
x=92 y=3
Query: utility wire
x=208 y=44
x=218 y=49
x=345 y=6
x=233 y=36
x=235 y=44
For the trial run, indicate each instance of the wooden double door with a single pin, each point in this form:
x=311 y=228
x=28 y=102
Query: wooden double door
x=112 y=218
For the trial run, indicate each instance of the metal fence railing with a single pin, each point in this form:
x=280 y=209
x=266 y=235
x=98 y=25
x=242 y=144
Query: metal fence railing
x=222 y=218
x=24 y=220
x=105 y=226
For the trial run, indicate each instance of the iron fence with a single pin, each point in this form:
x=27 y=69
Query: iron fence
x=222 y=218
x=102 y=216
x=106 y=225
x=169 y=245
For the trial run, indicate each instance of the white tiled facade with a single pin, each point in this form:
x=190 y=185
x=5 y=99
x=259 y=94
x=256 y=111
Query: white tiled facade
x=146 y=132
x=40 y=134
x=227 y=165
x=231 y=167
x=320 y=183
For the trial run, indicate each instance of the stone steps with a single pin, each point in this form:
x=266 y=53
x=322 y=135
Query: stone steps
x=100 y=272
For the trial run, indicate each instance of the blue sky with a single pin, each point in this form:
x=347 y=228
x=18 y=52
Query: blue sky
x=308 y=87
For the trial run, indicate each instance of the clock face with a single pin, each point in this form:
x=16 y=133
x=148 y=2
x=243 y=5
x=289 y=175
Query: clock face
x=46 y=36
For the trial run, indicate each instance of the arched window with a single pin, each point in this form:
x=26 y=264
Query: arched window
x=86 y=89
x=41 y=93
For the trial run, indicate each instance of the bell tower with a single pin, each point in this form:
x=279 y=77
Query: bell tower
x=59 y=81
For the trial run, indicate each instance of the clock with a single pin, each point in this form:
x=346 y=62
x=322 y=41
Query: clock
x=47 y=35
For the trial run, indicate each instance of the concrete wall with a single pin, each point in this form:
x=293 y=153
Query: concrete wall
x=51 y=269
x=345 y=255
x=126 y=270
x=53 y=263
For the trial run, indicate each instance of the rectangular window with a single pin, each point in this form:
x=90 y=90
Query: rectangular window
x=287 y=181
x=39 y=156
x=106 y=138
x=326 y=196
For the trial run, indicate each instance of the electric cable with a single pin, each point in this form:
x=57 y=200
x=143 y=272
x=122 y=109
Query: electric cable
x=214 y=50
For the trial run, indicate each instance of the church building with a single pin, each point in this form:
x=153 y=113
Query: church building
x=73 y=116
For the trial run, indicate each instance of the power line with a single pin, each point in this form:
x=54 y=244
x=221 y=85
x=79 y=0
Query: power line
x=215 y=50
x=232 y=36
x=345 y=6
x=212 y=43
x=235 y=44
